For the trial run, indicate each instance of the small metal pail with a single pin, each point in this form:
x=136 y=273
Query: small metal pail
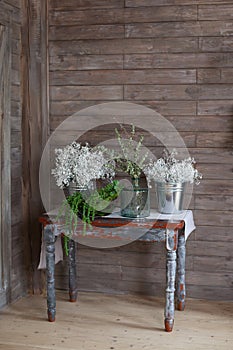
x=170 y=197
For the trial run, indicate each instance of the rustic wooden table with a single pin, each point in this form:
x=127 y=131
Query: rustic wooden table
x=172 y=232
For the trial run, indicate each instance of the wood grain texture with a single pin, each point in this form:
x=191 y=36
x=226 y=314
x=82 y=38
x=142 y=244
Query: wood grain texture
x=124 y=318
x=58 y=47
x=213 y=12
x=123 y=15
x=184 y=92
x=216 y=44
x=96 y=31
x=178 y=60
x=179 y=29
x=142 y=3
x=101 y=92
x=86 y=62
x=59 y=5
x=35 y=130
x=218 y=107
x=123 y=77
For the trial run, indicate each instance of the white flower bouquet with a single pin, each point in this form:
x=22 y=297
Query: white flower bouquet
x=81 y=164
x=168 y=169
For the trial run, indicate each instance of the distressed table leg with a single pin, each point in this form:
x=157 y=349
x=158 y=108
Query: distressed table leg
x=73 y=291
x=181 y=273
x=171 y=246
x=49 y=238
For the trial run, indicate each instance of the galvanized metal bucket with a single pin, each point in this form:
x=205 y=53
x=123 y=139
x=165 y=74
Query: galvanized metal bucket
x=170 y=197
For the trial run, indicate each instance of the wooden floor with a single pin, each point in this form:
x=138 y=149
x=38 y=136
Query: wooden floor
x=104 y=322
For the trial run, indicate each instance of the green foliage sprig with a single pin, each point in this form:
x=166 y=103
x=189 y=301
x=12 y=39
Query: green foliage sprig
x=87 y=208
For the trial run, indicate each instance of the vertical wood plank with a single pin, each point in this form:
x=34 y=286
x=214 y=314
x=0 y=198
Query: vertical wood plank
x=35 y=123
x=5 y=170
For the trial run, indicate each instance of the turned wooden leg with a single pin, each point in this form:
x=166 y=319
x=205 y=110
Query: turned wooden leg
x=171 y=245
x=181 y=252
x=73 y=291
x=49 y=238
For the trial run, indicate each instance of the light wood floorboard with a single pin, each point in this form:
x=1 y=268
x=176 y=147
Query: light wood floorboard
x=104 y=322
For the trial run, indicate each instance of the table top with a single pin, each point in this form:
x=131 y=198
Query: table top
x=116 y=227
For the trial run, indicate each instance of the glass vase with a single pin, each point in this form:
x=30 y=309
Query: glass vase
x=135 y=201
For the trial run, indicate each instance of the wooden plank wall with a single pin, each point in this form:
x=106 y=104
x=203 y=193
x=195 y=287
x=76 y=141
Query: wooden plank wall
x=175 y=56
x=10 y=16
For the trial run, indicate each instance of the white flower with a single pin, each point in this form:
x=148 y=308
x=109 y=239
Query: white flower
x=169 y=169
x=81 y=164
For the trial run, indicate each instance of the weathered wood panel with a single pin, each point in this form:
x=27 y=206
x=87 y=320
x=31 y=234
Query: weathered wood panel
x=119 y=77
x=215 y=12
x=209 y=75
x=214 y=202
x=166 y=108
x=178 y=60
x=203 y=123
x=84 y=4
x=176 y=29
x=215 y=186
x=210 y=264
x=214 y=218
x=179 y=92
x=88 y=62
x=212 y=155
x=142 y=3
x=208 y=248
x=219 y=107
x=120 y=46
x=34 y=126
x=219 y=139
x=207 y=234
x=216 y=44
x=110 y=92
x=110 y=31
x=217 y=171
x=123 y=15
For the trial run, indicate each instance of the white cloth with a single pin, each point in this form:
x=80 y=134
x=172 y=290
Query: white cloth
x=186 y=216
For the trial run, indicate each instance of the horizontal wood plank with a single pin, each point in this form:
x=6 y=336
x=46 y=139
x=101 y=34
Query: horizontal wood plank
x=179 y=29
x=214 y=202
x=216 y=44
x=212 y=155
x=211 y=107
x=59 y=47
x=216 y=171
x=214 y=218
x=87 y=62
x=215 y=75
x=212 y=265
x=221 y=234
x=181 y=92
x=218 y=139
x=119 y=77
x=142 y=3
x=87 y=93
x=205 y=248
x=212 y=12
x=178 y=60
x=123 y=15
x=166 y=108
x=214 y=187
x=84 y=4
x=110 y=31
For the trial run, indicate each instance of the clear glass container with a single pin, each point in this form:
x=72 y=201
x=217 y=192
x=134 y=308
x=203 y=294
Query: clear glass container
x=135 y=202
